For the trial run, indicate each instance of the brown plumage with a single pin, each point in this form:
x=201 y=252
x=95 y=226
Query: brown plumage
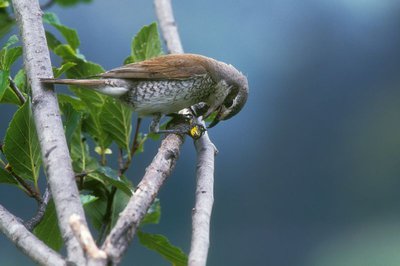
x=169 y=83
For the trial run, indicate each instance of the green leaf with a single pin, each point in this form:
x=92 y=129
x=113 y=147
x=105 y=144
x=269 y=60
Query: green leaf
x=95 y=210
x=6 y=177
x=81 y=159
x=92 y=122
x=146 y=44
x=71 y=2
x=11 y=56
x=12 y=40
x=47 y=230
x=129 y=60
x=162 y=246
x=20 y=81
x=70 y=35
x=92 y=125
x=71 y=120
x=4 y=82
x=10 y=97
x=86 y=199
x=52 y=40
x=120 y=201
x=6 y=23
x=4 y=3
x=51 y=18
x=67 y=53
x=95 y=101
x=116 y=120
x=84 y=69
x=21 y=146
x=59 y=71
x=153 y=215
x=111 y=176
x=75 y=102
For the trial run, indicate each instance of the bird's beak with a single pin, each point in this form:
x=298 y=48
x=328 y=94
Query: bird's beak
x=217 y=118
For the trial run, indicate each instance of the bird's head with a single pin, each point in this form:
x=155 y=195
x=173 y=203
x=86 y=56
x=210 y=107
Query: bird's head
x=237 y=96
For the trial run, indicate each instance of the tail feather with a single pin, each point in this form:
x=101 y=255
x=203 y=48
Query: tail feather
x=75 y=82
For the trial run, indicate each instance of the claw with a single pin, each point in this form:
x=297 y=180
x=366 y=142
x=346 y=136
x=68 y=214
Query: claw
x=197 y=131
x=155 y=124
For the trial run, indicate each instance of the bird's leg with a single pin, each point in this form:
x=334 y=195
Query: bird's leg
x=187 y=125
x=155 y=124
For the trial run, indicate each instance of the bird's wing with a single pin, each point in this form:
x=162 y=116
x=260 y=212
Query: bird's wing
x=181 y=66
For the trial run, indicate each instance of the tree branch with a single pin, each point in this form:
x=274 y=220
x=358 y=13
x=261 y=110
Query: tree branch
x=55 y=154
x=201 y=215
x=157 y=172
x=205 y=153
x=30 y=191
x=16 y=90
x=168 y=26
x=82 y=233
x=26 y=241
x=35 y=220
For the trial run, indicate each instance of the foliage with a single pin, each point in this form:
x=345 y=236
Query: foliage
x=92 y=123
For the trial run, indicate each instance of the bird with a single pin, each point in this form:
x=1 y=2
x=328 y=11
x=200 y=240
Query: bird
x=167 y=84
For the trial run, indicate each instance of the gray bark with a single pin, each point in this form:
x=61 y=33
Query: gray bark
x=55 y=154
x=27 y=242
x=157 y=172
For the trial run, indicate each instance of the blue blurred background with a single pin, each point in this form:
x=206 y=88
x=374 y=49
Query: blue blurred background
x=308 y=172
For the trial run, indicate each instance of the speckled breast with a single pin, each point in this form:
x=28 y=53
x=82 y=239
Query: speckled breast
x=168 y=96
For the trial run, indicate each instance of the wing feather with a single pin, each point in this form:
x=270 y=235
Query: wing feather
x=180 y=66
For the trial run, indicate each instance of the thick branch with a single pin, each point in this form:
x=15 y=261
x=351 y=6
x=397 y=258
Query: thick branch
x=201 y=215
x=26 y=241
x=168 y=26
x=156 y=173
x=205 y=153
x=55 y=154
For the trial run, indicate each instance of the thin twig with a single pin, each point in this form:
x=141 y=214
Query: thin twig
x=35 y=220
x=27 y=187
x=55 y=154
x=134 y=147
x=26 y=241
x=19 y=94
x=157 y=172
x=206 y=150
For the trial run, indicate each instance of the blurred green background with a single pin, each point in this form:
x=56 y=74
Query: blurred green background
x=308 y=172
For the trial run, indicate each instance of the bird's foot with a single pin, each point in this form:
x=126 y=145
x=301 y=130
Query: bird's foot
x=185 y=124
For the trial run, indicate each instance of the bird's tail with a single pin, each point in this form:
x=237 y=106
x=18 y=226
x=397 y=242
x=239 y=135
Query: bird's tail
x=111 y=87
x=89 y=83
